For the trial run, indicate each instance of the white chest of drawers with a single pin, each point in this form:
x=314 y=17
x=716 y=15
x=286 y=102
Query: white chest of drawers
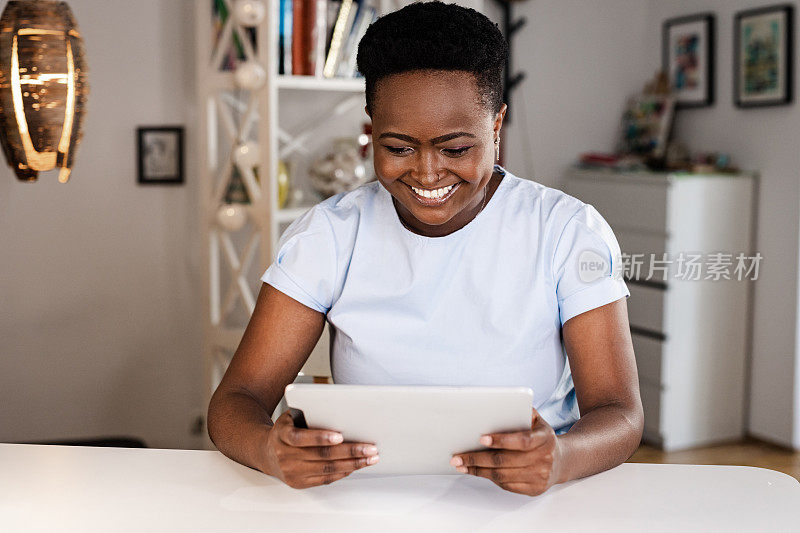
x=691 y=336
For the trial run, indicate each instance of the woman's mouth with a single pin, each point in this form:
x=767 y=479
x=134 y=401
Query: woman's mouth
x=434 y=197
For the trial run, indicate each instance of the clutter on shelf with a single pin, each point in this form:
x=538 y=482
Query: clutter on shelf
x=344 y=168
x=644 y=140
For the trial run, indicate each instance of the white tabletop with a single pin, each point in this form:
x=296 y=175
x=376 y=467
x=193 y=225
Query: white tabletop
x=60 y=488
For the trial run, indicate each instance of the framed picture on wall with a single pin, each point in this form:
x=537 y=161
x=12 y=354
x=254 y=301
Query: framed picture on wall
x=160 y=154
x=688 y=58
x=763 y=51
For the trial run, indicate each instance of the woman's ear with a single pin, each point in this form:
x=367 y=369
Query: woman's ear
x=366 y=110
x=498 y=119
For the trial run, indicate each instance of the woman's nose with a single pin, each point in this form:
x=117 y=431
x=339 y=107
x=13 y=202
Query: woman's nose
x=427 y=172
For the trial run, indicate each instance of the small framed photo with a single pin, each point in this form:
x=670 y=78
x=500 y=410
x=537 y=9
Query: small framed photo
x=763 y=50
x=688 y=59
x=160 y=154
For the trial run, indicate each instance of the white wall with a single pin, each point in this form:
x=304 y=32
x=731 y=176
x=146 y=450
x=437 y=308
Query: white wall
x=583 y=58
x=765 y=140
x=99 y=278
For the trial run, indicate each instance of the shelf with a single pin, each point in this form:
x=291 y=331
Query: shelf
x=321 y=84
x=289 y=214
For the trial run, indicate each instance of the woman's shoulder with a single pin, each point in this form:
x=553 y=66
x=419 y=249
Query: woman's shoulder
x=336 y=217
x=348 y=206
x=529 y=198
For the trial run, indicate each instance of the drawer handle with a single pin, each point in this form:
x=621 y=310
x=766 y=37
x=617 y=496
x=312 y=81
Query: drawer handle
x=644 y=332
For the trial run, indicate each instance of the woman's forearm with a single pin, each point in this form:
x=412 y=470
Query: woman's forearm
x=238 y=426
x=603 y=438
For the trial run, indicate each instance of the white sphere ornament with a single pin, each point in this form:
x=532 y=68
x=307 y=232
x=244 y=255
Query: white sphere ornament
x=246 y=155
x=249 y=12
x=250 y=76
x=232 y=217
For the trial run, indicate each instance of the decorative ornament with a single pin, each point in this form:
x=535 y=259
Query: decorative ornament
x=250 y=76
x=341 y=170
x=246 y=155
x=283 y=184
x=43 y=87
x=249 y=12
x=232 y=217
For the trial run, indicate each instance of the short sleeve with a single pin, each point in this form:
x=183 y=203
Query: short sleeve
x=587 y=267
x=305 y=265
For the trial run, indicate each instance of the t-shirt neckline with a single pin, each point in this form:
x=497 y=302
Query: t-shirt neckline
x=466 y=228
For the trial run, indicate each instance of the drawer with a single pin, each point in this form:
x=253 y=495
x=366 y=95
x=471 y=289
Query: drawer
x=651 y=404
x=646 y=307
x=645 y=246
x=648 y=358
x=625 y=204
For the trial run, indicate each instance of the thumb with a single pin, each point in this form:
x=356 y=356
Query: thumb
x=534 y=417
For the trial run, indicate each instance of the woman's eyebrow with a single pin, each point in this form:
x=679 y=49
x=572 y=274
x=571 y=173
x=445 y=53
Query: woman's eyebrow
x=435 y=140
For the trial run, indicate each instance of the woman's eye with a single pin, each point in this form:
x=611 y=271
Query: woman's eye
x=399 y=150
x=455 y=152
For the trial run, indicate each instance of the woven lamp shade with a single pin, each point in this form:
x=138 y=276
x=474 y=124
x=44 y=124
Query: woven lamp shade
x=43 y=87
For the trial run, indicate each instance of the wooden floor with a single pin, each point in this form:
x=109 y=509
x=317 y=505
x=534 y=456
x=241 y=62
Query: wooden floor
x=748 y=453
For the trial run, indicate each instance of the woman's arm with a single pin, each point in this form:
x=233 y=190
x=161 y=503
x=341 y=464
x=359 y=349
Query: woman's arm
x=279 y=338
x=600 y=351
x=276 y=343
x=603 y=366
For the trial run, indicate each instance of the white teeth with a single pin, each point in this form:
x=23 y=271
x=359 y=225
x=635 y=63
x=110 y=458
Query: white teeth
x=433 y=193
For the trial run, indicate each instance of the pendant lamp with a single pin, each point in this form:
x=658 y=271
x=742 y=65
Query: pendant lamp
x=43 y=87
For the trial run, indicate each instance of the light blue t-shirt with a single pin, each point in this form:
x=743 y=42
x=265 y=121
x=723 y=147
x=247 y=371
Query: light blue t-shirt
x=482 y=306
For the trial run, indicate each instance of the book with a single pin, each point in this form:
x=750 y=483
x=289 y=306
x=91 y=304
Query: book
x=348 y=65
x=320 y=37
x=333 y=7
x=299 y=41
x=285 y=37
x=344 y=20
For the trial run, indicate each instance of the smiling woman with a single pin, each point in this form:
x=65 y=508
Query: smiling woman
x=448 y=270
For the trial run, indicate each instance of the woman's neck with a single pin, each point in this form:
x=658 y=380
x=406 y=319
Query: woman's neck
x=457 y=222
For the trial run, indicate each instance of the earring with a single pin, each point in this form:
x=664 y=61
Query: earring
x=497 y=148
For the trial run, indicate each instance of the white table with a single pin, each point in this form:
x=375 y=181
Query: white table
x=60 y=488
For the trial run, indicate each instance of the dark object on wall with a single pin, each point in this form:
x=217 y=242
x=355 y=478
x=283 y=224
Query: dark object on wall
x=43 y=87
x=104 y=442
x=509 y=27
x=688 y=58
x=160 y=155
x=763 y=51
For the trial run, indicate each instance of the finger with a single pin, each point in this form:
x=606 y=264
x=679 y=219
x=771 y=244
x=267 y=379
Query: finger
x=498 y=475
x=519 y=440
x=520 y=488
x=324 y=468
x=345 y=450
x=314 y=481
x=493 y=459
x=303 y=437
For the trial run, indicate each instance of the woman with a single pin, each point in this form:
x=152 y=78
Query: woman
x=448 y=270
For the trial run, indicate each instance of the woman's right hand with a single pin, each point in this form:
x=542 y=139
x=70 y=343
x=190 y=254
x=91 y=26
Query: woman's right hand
x=304 y=458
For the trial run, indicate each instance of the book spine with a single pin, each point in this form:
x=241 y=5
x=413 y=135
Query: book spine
x=320 y=37
x=351 y=66
x=309 y=24
x=297 y=37
x=336 y=40
x=287 y=36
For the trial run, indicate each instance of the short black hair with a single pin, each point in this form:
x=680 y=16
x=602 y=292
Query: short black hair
x=435 y=36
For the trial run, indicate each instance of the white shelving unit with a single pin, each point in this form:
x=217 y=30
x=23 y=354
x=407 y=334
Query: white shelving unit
x=288 y=118
x=230 y=117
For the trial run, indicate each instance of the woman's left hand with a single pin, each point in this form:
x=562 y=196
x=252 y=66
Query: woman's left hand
x=526 y=462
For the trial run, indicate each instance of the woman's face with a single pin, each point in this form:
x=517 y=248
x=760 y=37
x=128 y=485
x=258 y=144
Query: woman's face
x=434 y=147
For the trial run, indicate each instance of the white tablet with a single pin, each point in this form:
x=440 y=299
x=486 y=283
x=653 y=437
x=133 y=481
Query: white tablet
x=416 y=429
